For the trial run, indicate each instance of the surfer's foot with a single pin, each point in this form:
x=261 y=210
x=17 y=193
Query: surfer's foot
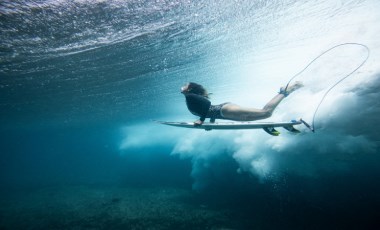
x=291 y=88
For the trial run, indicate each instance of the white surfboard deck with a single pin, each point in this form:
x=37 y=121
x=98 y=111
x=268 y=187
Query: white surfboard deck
x=232 y=124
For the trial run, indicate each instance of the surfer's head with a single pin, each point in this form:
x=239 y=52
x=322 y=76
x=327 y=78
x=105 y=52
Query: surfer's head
x=195 y=88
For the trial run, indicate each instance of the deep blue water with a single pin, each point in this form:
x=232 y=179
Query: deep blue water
x=81 y=82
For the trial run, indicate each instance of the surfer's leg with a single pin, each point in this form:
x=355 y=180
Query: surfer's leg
x=235 y=112
x=238 y=113
x=284 y=92
x=290 y=88
x=272 y=104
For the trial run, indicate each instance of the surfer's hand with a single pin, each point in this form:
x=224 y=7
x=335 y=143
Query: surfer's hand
x=198 y=123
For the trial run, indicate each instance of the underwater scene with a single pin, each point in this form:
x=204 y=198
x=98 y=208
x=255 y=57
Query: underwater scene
x=84 y=82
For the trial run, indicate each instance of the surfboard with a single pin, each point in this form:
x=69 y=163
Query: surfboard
x=268 y=127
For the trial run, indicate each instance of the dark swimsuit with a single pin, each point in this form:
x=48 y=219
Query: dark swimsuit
x=215 y=112
x=201 y=106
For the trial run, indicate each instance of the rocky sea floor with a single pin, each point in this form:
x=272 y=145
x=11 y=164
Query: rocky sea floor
x=86 y=207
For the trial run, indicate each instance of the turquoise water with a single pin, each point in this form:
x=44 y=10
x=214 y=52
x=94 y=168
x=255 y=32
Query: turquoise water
x=81 y=82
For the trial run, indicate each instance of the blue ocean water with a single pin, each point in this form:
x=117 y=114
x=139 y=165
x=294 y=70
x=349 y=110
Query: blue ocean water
x=82 y=80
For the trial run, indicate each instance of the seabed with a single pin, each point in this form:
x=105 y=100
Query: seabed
x=86 y=207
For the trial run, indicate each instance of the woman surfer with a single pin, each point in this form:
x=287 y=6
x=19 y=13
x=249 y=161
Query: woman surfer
x=198 y=103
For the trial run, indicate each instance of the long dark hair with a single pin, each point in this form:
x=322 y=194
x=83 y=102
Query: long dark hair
x=197 y=89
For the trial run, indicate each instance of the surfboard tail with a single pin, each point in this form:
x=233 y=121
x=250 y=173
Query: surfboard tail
x=307 y=125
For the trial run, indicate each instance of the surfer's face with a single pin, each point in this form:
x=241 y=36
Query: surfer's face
x=185 y=88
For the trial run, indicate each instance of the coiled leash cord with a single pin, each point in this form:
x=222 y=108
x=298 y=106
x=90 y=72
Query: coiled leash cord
x=312 y=126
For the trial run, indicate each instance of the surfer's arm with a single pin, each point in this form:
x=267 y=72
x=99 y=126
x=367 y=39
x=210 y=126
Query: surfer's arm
x=198 y=122
x=198 y=105
x=202 y=118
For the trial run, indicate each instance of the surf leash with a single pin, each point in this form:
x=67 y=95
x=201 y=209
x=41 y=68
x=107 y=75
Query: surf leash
x=312 y=125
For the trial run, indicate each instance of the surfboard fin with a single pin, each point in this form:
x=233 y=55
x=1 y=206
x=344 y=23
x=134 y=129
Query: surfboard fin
x=272 y=131
x=291 y=129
